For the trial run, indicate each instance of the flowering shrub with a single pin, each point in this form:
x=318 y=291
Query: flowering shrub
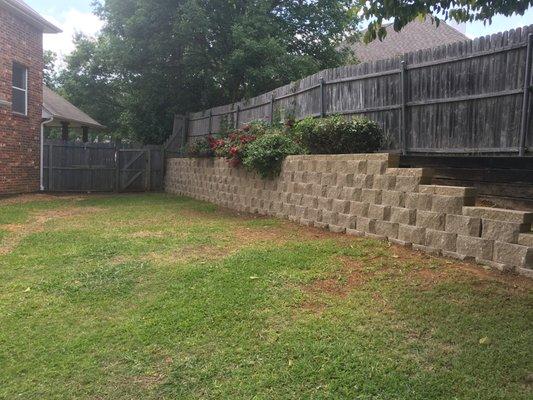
x=232 y=147
x=199 y=148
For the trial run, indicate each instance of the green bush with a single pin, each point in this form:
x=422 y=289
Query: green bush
x=266 y=154
x=338 y=135
x=199 y=148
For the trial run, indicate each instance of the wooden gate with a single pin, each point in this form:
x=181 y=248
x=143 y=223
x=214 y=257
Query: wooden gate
x=101 y=167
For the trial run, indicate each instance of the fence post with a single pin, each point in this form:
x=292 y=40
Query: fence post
x=50 y=166
x=524 y=126
x=148 y=181
x=237 y=116
x=272 y=110
x=117 y=169
x=210 y=121
x=403 y=126
x=322 y=95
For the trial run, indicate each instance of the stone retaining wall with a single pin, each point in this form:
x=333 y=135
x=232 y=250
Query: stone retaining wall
x=367 y=194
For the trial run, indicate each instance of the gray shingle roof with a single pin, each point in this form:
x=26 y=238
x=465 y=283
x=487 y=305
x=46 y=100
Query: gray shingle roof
x=417 y=35
x=30 y=15
x=56 y=106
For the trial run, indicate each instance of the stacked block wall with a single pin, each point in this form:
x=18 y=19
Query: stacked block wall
x=368 y=195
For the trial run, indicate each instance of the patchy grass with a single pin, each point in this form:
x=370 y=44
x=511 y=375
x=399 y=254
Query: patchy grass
x=154 y=296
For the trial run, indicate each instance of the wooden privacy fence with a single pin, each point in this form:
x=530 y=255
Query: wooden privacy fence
x=466 y=97
x=101 y=167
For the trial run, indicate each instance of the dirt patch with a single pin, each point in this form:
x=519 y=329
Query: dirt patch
x=346 y=279
x=27 y=198
x=37 y=224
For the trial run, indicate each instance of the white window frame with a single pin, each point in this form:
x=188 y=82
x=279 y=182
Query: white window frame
x=25 y=90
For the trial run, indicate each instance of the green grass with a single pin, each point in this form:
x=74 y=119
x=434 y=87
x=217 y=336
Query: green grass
x=161 y=297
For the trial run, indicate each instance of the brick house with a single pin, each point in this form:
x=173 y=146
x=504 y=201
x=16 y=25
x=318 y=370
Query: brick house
x=21 y=95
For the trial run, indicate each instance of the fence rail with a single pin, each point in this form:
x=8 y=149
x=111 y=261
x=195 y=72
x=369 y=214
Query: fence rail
x=465 y=97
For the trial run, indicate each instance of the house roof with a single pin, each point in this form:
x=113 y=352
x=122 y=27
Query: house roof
x=417 y=35
x=63 y=111
x=30 y=15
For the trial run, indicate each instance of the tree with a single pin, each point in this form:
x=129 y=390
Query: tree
x=50 y=71
x=405 y=11
x=158 y=57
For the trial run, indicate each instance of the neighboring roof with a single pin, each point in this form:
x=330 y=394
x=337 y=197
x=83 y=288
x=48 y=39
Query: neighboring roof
x=417 y=35
x=30 y=15
x=61 y=110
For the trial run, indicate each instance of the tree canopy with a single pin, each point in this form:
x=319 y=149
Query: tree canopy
x=155 y=58
x=404 y=11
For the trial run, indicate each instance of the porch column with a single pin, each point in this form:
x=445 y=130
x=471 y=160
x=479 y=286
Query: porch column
x=64 y=130
x=85 y=134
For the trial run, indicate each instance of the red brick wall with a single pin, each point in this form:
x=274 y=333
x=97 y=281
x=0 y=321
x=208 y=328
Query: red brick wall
x=20 y=135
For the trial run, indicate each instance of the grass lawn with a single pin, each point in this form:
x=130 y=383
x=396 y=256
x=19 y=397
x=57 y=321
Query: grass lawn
x=161 y=297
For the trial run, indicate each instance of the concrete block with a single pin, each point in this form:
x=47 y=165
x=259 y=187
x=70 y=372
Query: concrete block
x=364 y=224
x=409 y=183
x=299 y=211
x=441 y=240
x=478 y=248
x=418 y=201
x=310 y=201
x=499 y=214
x=313 y=214
x=450 y=204
x=329 y=217
x=340 y=206
x=412 y=234
x=387 y=229
x=359 y=208
x=502 y=231
x=329 y=179
x=513 y=254
x=354 y=232
x=392 y=198
x=319 y=190
x=344 y=179
x=334 y=192
x=375 y=167
x=372 y=196
x=336 y=228
x=320 y=225
x=527 y=272
x=403 y=215
x=525 y=239
x=363 y=181
x=375 y=236
x=379 y=212
x=296 y=198
x=351 y=193
x=348 y=221
x=325 y=203
x=431 y=220
x=387 y=182
x=416 y=172
x=456 y=191
x=462 y=225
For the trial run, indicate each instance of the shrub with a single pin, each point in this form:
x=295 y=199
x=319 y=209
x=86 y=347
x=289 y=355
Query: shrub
x=338 y=135
x=266 y=154
x=232 y=147
x=199 y=148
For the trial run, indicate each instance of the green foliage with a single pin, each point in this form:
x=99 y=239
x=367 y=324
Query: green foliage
x=403 y=12
x=266 y=154
x=199 y=148
x=50 y=73
x=338 y=135
x=155 y=58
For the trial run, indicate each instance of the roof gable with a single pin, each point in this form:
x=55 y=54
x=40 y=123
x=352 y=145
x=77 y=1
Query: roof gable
x=417 y=35
x=60 y=109
x=30 y=15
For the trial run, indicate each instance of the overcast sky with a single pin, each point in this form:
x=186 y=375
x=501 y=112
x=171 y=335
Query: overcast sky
x=75 y=15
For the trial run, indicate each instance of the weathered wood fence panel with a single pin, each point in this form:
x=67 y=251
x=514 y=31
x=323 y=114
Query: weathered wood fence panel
x=101 y=167
x=466 y=97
